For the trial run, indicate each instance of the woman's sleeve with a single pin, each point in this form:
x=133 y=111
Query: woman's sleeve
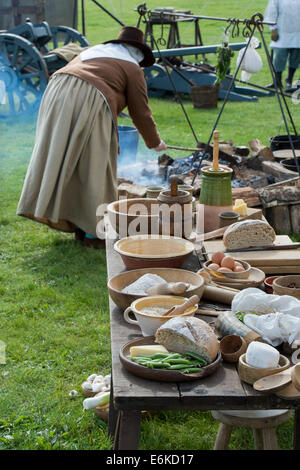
x=139 y=110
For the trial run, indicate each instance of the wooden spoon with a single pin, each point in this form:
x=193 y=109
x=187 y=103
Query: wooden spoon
x=176 y=288
x=180 y=309
x=274 y=382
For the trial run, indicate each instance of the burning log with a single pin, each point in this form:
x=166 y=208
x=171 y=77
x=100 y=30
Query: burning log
x=277 y=170
x=250 y=196
x=131 y=191
x=260 y=150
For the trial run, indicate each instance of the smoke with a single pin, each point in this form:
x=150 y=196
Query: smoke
x=20 y=95
x=136 y=162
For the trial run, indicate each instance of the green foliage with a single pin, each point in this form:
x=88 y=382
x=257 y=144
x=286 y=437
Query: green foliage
x=224 y=55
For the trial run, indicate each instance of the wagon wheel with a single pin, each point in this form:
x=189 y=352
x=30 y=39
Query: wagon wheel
x=23 y=76
x=62 y=35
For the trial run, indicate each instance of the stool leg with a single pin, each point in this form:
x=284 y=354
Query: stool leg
x=223 y=437
x=270 y=439
x=258 y=439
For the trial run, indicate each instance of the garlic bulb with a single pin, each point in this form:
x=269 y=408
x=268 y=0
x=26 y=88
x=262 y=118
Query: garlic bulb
x=87 y=386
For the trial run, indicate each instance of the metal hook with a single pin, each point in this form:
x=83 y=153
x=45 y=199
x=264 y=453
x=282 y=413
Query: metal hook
x=161 y=41
x=230 y=20
x=247 y=30
x=236 y=29
x=257 y=20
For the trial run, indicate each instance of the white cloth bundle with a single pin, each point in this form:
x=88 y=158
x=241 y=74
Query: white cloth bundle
x=254 y=300
x=275 y=328
x=251 y=63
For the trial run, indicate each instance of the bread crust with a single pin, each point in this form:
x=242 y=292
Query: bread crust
x=248 y=233
x=188 y=334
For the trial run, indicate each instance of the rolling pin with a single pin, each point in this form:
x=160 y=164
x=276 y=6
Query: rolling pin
x=175 y=288
x=218 y=294
x=180 y=309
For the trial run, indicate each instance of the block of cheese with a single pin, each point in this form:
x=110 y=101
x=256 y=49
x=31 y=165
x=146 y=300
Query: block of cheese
x=147 y=350
x=262 y=355
x=240 y=207
x=248 y=233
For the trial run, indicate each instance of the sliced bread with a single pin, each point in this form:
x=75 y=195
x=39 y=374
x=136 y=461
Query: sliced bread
x=248 y=233
x=188 y=334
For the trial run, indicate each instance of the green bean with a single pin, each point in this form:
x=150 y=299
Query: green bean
x=179 y=361
x=178 y=366
x=159 y=356
x=196 y=356
x=160 y=365
x=191 y=371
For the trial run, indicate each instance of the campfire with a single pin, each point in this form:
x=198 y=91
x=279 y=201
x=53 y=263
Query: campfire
x=253 y=168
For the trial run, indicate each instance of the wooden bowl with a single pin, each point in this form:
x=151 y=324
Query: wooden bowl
x=117 y=283
x=102 y=412
x=268 y=282
x=243 y=275
x=280 y=286
x=87 y=393
x=251 y=374
x=153 y=251
x=232 y=347
x=122 y=213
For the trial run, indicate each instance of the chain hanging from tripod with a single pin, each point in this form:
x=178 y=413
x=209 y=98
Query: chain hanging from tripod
x=147 y=15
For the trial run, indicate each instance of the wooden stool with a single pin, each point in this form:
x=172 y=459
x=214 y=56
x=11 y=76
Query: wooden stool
x=262 y=422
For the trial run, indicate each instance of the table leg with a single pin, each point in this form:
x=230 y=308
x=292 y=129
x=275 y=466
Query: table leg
x=297 y=429
x=113 y=414
x=127 y=430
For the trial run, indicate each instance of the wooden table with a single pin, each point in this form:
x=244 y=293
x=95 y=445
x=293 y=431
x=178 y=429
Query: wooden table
x=130 y=395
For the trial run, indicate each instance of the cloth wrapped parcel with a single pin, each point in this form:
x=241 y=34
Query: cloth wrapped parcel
x=251 y=63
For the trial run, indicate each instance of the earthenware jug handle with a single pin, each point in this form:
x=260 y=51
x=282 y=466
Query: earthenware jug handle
x=127 y=317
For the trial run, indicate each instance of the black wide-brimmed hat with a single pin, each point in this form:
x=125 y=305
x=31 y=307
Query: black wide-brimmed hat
x=135 y=37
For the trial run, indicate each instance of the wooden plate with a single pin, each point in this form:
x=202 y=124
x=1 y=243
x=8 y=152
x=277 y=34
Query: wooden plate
x=159 y=374
x=256 y=277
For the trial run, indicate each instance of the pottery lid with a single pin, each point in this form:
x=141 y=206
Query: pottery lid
x=182 y=197
x=222 y=171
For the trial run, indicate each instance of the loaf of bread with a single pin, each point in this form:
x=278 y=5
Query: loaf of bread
x=248 y=233
x=188 y=334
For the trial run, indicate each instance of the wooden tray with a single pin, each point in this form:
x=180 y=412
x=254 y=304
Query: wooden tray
x=273 y=261
x=255 y=279
x=159 y=374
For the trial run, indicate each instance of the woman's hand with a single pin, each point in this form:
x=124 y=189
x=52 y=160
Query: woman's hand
x=274 y=35
x=162 y=146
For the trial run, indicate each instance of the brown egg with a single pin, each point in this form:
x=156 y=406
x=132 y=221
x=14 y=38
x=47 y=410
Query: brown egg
x=237 y=263
x=217 y=257
x=238 y=269
x=224 y=270
x=214 y=266
x=227 y=262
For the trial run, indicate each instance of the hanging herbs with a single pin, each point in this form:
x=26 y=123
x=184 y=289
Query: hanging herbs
x=224 y=55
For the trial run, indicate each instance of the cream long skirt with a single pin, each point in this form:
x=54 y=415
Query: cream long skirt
x=72 y=171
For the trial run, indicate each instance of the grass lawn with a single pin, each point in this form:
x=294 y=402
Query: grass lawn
x=54 y=314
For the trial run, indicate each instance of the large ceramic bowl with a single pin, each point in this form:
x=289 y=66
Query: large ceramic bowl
x=125 y=213
x=118 y=283
x=153 y=251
